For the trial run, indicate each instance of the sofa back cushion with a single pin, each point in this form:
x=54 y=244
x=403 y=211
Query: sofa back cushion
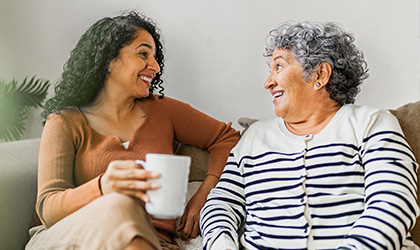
x=199 y=160
x=409 y=118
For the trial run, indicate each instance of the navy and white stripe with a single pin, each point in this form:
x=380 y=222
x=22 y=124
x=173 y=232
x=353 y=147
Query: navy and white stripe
x=353 y=185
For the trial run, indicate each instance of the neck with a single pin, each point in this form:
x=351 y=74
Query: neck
x=315 y=121
x=111 y=105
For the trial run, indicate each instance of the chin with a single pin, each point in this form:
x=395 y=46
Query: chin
x=279 y=112
x=144 y=94
x=280 y=115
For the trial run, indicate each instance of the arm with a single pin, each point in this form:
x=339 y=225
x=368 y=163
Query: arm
x=224 y=212
x=57 y=195
x=189 y=223
x=193 y=127
x=390 y=188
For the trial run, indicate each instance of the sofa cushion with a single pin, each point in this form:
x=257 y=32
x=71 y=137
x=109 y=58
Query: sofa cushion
x=18 y=185
x=409 y=118
x=199 y=160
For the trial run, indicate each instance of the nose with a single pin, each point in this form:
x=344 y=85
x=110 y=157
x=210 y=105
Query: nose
x=153 y=65
x=270 y=82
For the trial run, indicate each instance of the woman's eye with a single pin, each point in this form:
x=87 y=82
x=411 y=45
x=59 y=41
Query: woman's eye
x=278 y=67
x=143 y=54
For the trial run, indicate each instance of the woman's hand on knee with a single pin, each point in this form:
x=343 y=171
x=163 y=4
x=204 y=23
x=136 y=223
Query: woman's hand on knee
x=130 y=178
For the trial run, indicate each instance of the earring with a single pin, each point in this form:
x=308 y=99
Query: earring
x=318 y=84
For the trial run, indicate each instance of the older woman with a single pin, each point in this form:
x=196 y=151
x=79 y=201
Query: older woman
x=325 y=174
x=104 y=116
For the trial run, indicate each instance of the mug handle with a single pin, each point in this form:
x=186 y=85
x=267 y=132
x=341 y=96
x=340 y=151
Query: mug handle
x=143 y=163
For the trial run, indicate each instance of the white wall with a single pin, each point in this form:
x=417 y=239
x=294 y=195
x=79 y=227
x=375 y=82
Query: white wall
x=214 y=47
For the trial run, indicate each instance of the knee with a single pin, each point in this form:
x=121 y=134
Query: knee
x=114 y=209
x=117 y=200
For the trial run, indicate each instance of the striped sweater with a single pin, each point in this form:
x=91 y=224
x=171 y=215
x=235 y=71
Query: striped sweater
x=351 y=186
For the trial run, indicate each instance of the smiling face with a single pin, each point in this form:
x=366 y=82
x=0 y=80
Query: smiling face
x=293 y=95
x=132 y=71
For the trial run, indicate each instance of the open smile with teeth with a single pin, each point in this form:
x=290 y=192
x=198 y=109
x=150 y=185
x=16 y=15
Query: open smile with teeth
x=278 y=94
x=146 y=79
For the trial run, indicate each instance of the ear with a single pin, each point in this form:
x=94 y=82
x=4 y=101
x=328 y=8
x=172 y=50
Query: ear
x=322 y=75
x=110 y=66
x=113 y=64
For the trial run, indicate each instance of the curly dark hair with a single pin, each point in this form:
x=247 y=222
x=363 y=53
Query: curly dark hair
x=312 y=43
x=85 y=71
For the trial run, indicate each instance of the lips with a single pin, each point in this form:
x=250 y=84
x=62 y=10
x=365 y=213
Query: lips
x=277 y=94
x=146 y=79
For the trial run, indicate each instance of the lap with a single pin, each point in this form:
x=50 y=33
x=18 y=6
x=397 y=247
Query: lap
x=168 y=246
x=110 y=222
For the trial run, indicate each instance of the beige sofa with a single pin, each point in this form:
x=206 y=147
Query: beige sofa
x=18 y=177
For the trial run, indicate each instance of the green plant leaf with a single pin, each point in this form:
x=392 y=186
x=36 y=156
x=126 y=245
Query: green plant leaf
x=16 y=102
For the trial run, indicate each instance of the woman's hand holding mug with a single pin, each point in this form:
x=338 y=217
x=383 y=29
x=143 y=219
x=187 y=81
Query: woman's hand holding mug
x=129 y=178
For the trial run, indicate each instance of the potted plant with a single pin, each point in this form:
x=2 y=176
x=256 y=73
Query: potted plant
x=16 y=102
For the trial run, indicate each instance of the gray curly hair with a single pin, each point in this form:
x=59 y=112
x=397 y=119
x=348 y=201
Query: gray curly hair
x=312 y=43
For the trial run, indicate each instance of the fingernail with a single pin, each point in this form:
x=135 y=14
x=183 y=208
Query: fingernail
x=155 y=185
x=154 y=174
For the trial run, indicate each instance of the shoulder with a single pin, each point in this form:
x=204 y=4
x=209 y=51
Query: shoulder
x=260 y=126
x=167 y=102
x=258 y=131
x=368 y=116
x=69 y=117
x=170 y=109
x=362 y=110
x=365 y=121
x=158 y=99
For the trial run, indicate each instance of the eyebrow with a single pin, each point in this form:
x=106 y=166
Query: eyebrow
x=279 y=56
x=146 y=45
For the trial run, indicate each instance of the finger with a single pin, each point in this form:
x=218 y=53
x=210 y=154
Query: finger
x=133 y=168
x=139 y=174
x=123 y=170
x=124 y=164
x=187 y=229
x=129 y=170
x=135 y=185
x=182 y=222
x=136 y=194
x=195 y=230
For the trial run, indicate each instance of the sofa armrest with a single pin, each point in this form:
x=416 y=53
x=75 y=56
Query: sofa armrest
x=18 y=188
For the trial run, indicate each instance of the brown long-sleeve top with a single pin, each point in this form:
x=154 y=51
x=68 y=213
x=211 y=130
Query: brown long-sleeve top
x=72 y=155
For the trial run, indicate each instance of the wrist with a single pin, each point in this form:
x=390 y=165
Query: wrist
x=208 y=184
x=210 y=181
x=100 y=184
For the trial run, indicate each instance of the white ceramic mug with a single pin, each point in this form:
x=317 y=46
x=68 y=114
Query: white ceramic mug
x=168 y=201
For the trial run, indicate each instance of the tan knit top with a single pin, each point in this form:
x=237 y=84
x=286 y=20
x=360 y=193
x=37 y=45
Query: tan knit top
x=72 y=155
